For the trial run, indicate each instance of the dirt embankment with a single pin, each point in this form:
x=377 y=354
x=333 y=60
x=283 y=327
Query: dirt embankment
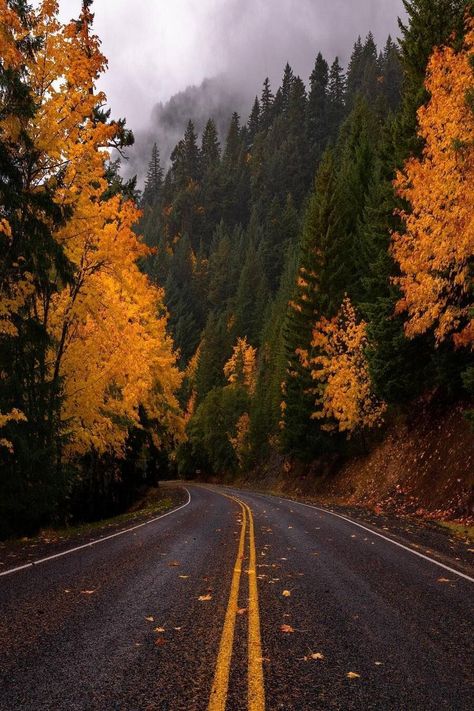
x=423 y=466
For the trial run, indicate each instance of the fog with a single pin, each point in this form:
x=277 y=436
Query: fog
x=159 y=48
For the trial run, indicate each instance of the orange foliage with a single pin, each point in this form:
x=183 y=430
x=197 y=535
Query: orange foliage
x=436 y=250
x=108 y=326
x=241 y=442
x=12 y=416
x=343 y=388
x=241 y=368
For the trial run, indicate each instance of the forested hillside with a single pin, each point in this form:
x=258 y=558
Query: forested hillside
x=317 y=265
x=290 y=288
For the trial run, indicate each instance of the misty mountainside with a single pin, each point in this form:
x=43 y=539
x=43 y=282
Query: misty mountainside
x=281 y=248
x=215 y=97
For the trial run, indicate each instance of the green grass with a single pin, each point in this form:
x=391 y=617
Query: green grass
x=152 y=505
x=458 y=529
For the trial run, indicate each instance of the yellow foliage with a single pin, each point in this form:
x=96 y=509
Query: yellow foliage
x=241 y=368
x=343 y=387
x=13 y=416
x=435 y=251
x=108 y=326
x=241 y=442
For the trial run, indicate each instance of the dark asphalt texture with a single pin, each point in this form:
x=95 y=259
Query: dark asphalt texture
x=74 y=633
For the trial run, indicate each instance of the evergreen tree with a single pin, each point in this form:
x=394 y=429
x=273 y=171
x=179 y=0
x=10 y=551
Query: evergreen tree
x=266 y=106
x=253 y=125
x=154 y=178
x=210 y=148
x=33 y=267
x=317 y=109
x=300 y=434
x=336 y=99
x=286 y=87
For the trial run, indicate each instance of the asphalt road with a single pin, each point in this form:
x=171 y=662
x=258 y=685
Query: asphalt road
x=294 y=603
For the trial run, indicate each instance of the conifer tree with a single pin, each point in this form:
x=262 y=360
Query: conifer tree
x=266 y=105
x=253 y=125
x=336 y=99
x=154 y=178
x=317 y=109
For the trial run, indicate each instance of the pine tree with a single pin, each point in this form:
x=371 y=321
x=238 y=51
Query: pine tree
x=253 y=125
x=336 y=99
x=32 y=266
x=266 y=105
x=286 y=87
x=210 y=148
x=154 y=179
x=317 y=110
x=300 y=434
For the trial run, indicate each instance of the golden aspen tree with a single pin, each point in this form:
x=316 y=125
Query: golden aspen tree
x=110 y=352
x=436 y=249
x=342 y=386
x=241 y=368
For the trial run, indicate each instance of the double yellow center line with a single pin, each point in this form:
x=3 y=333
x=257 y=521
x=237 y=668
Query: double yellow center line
x=220 y=686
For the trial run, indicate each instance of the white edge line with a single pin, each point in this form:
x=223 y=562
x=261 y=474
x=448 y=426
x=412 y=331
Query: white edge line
x=374 y=533
x=96 y=541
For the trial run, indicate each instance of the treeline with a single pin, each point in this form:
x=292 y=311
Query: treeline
x=88 y=373
x=318 y=267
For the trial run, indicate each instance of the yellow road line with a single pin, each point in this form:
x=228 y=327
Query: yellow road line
x=218 y=699
x=256 y=686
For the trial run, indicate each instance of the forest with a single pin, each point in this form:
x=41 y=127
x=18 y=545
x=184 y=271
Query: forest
x=291 y=287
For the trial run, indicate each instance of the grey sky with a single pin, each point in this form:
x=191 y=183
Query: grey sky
x=159 y=47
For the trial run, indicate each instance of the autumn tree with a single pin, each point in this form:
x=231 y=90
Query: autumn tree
x=105 y=351
x=436 y=249
x=342 y=388
x=241 y=366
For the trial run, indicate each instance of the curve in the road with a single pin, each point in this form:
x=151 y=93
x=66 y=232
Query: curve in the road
x=374 y=533
x=95 y=542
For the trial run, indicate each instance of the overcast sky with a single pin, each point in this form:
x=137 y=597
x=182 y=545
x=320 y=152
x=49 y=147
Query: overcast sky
x=159 y=47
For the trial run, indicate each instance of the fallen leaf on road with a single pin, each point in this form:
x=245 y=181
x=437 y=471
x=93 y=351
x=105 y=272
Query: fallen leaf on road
x=378 y=664
x=174 y=564
x=184 y=577
x=290 y=526
x=314 y=655
x=443 y=580
x=88 y=592
x=204 y=598
x=287 y=629
x=67 y=591
x=177 y=628
x=286 y=593
x=160 y=641
x=159 y=629
x=353 y=675
x=242 y=611
x=150 y=619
